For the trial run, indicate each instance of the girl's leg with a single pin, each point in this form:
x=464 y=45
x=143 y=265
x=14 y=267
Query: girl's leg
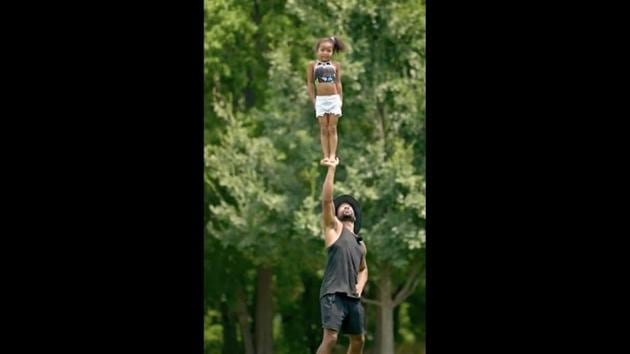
x=323 y=136
x=332 y=137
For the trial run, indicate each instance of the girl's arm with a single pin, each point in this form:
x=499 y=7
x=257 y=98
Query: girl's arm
x=310 y=88
x=338 y=83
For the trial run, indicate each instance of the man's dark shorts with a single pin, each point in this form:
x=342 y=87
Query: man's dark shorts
x=340 y=312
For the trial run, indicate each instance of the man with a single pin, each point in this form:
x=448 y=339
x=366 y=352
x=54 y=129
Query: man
x=346 y=269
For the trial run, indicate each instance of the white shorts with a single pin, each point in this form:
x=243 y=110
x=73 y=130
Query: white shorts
x=327 y=104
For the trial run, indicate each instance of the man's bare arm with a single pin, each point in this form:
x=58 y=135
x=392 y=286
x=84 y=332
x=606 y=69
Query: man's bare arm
x=363 y=273
x=328 y=208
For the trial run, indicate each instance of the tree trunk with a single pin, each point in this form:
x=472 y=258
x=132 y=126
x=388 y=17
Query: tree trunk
x=385 y=333
x=244 y=321
x=311 y=311
x=378 y=329
x=230 y=344
x=397 y=336
x=264 y=312
x=384 y=338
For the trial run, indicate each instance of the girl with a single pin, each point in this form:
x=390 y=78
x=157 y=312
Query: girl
x=323 y=78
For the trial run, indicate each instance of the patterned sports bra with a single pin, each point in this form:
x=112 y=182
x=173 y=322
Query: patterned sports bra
x=325 y=72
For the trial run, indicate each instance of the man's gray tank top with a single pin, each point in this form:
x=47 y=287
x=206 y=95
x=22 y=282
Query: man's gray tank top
x=342 y=266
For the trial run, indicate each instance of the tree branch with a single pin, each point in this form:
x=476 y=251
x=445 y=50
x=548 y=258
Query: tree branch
x=404 y=294
x=373 y=302
x=410 y=286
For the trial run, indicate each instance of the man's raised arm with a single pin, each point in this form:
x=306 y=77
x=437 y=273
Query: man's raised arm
x=328 y=208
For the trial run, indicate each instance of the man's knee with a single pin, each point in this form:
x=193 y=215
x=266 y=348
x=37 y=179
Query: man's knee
x=357 y=340
x=330 y=337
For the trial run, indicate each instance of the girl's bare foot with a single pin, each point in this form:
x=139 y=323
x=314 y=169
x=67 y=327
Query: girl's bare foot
x=325 y=161
x=331 y=163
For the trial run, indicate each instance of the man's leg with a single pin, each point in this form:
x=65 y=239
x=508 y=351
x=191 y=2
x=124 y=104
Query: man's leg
x=356 y=344
x=328 y=343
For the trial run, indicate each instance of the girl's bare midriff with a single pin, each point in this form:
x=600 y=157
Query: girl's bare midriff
x=326 y=89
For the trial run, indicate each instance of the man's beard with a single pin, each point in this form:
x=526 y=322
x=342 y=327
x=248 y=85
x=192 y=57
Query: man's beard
x=348 y=217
